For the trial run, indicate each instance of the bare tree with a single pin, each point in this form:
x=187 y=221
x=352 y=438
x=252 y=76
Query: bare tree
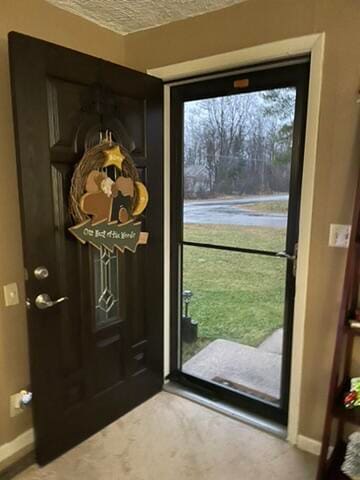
x=221 y=123
x=244 y=142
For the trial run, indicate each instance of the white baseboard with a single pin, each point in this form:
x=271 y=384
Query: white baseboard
x=308 y=445
x=19 y=443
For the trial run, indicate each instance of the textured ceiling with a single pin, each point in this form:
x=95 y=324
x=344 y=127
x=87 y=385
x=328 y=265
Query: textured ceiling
x=127 y=16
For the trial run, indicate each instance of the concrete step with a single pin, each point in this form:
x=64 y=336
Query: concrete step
x=274 y=343
x=241 y=366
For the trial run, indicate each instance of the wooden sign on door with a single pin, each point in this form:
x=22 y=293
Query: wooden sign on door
x=107 y=209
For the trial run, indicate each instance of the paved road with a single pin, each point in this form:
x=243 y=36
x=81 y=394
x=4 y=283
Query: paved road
x=229 y=212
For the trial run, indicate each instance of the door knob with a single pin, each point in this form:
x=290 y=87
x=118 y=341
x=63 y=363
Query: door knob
x=44 y=301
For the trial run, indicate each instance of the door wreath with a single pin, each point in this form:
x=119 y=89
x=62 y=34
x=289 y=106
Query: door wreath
x=106 y=210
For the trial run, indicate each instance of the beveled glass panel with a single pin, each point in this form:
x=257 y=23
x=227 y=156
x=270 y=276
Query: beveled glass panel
x=106 y=287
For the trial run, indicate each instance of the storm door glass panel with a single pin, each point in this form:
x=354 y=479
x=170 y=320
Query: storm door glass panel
x=237 y=166
x=232 y=319
x=106 y=282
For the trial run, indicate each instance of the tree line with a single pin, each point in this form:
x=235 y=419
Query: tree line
x=238 y=144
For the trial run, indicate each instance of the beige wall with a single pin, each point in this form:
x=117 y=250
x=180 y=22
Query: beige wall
x=39 y=19
x=251 y=23
x=262 y=21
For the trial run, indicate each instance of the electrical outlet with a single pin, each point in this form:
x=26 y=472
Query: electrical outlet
x=15 y=405
x=19 y=402
x=11 y=294
x=339 y=235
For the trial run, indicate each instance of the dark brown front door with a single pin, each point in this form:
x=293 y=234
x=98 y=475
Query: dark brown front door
x=89 y=364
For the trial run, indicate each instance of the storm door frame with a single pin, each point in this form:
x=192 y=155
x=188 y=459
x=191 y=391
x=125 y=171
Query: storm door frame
x=294 y=73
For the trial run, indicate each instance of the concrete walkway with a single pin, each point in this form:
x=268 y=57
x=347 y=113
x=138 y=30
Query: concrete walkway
x=255 y=370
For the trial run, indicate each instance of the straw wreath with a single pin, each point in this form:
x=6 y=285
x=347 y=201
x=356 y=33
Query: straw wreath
x=94 y=159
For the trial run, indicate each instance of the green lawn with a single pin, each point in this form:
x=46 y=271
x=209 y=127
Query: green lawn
x=237 y=296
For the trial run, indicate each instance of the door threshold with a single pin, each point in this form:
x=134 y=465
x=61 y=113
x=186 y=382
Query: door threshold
x=236 y=413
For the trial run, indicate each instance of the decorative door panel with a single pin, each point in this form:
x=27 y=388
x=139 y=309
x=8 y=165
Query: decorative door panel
x=65 y=109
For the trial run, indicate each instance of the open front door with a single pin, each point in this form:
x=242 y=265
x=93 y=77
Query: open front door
x=98 y=354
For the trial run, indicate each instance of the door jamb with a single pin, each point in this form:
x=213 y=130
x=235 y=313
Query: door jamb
x=315 y=46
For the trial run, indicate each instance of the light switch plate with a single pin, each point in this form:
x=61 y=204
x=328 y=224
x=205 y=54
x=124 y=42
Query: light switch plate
x=339 y=235
x=11 y=294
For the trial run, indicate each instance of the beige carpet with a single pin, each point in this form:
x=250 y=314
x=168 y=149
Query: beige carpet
x=170 y=438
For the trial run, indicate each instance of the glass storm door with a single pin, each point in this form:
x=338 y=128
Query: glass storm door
x=237 y=145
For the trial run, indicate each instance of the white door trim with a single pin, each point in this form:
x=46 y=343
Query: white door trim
x=315 y=46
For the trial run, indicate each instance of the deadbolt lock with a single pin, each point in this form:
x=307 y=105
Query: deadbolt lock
x=41 y=273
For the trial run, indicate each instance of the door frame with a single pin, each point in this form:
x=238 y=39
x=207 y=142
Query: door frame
x=314 y=45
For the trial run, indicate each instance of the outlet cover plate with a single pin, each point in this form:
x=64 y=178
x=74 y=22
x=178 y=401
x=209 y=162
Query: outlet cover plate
x=339 y=235
x=15 y=408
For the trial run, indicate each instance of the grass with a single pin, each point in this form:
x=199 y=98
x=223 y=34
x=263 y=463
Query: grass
x=268 y=207
x=237 y=296
x=234 y=236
